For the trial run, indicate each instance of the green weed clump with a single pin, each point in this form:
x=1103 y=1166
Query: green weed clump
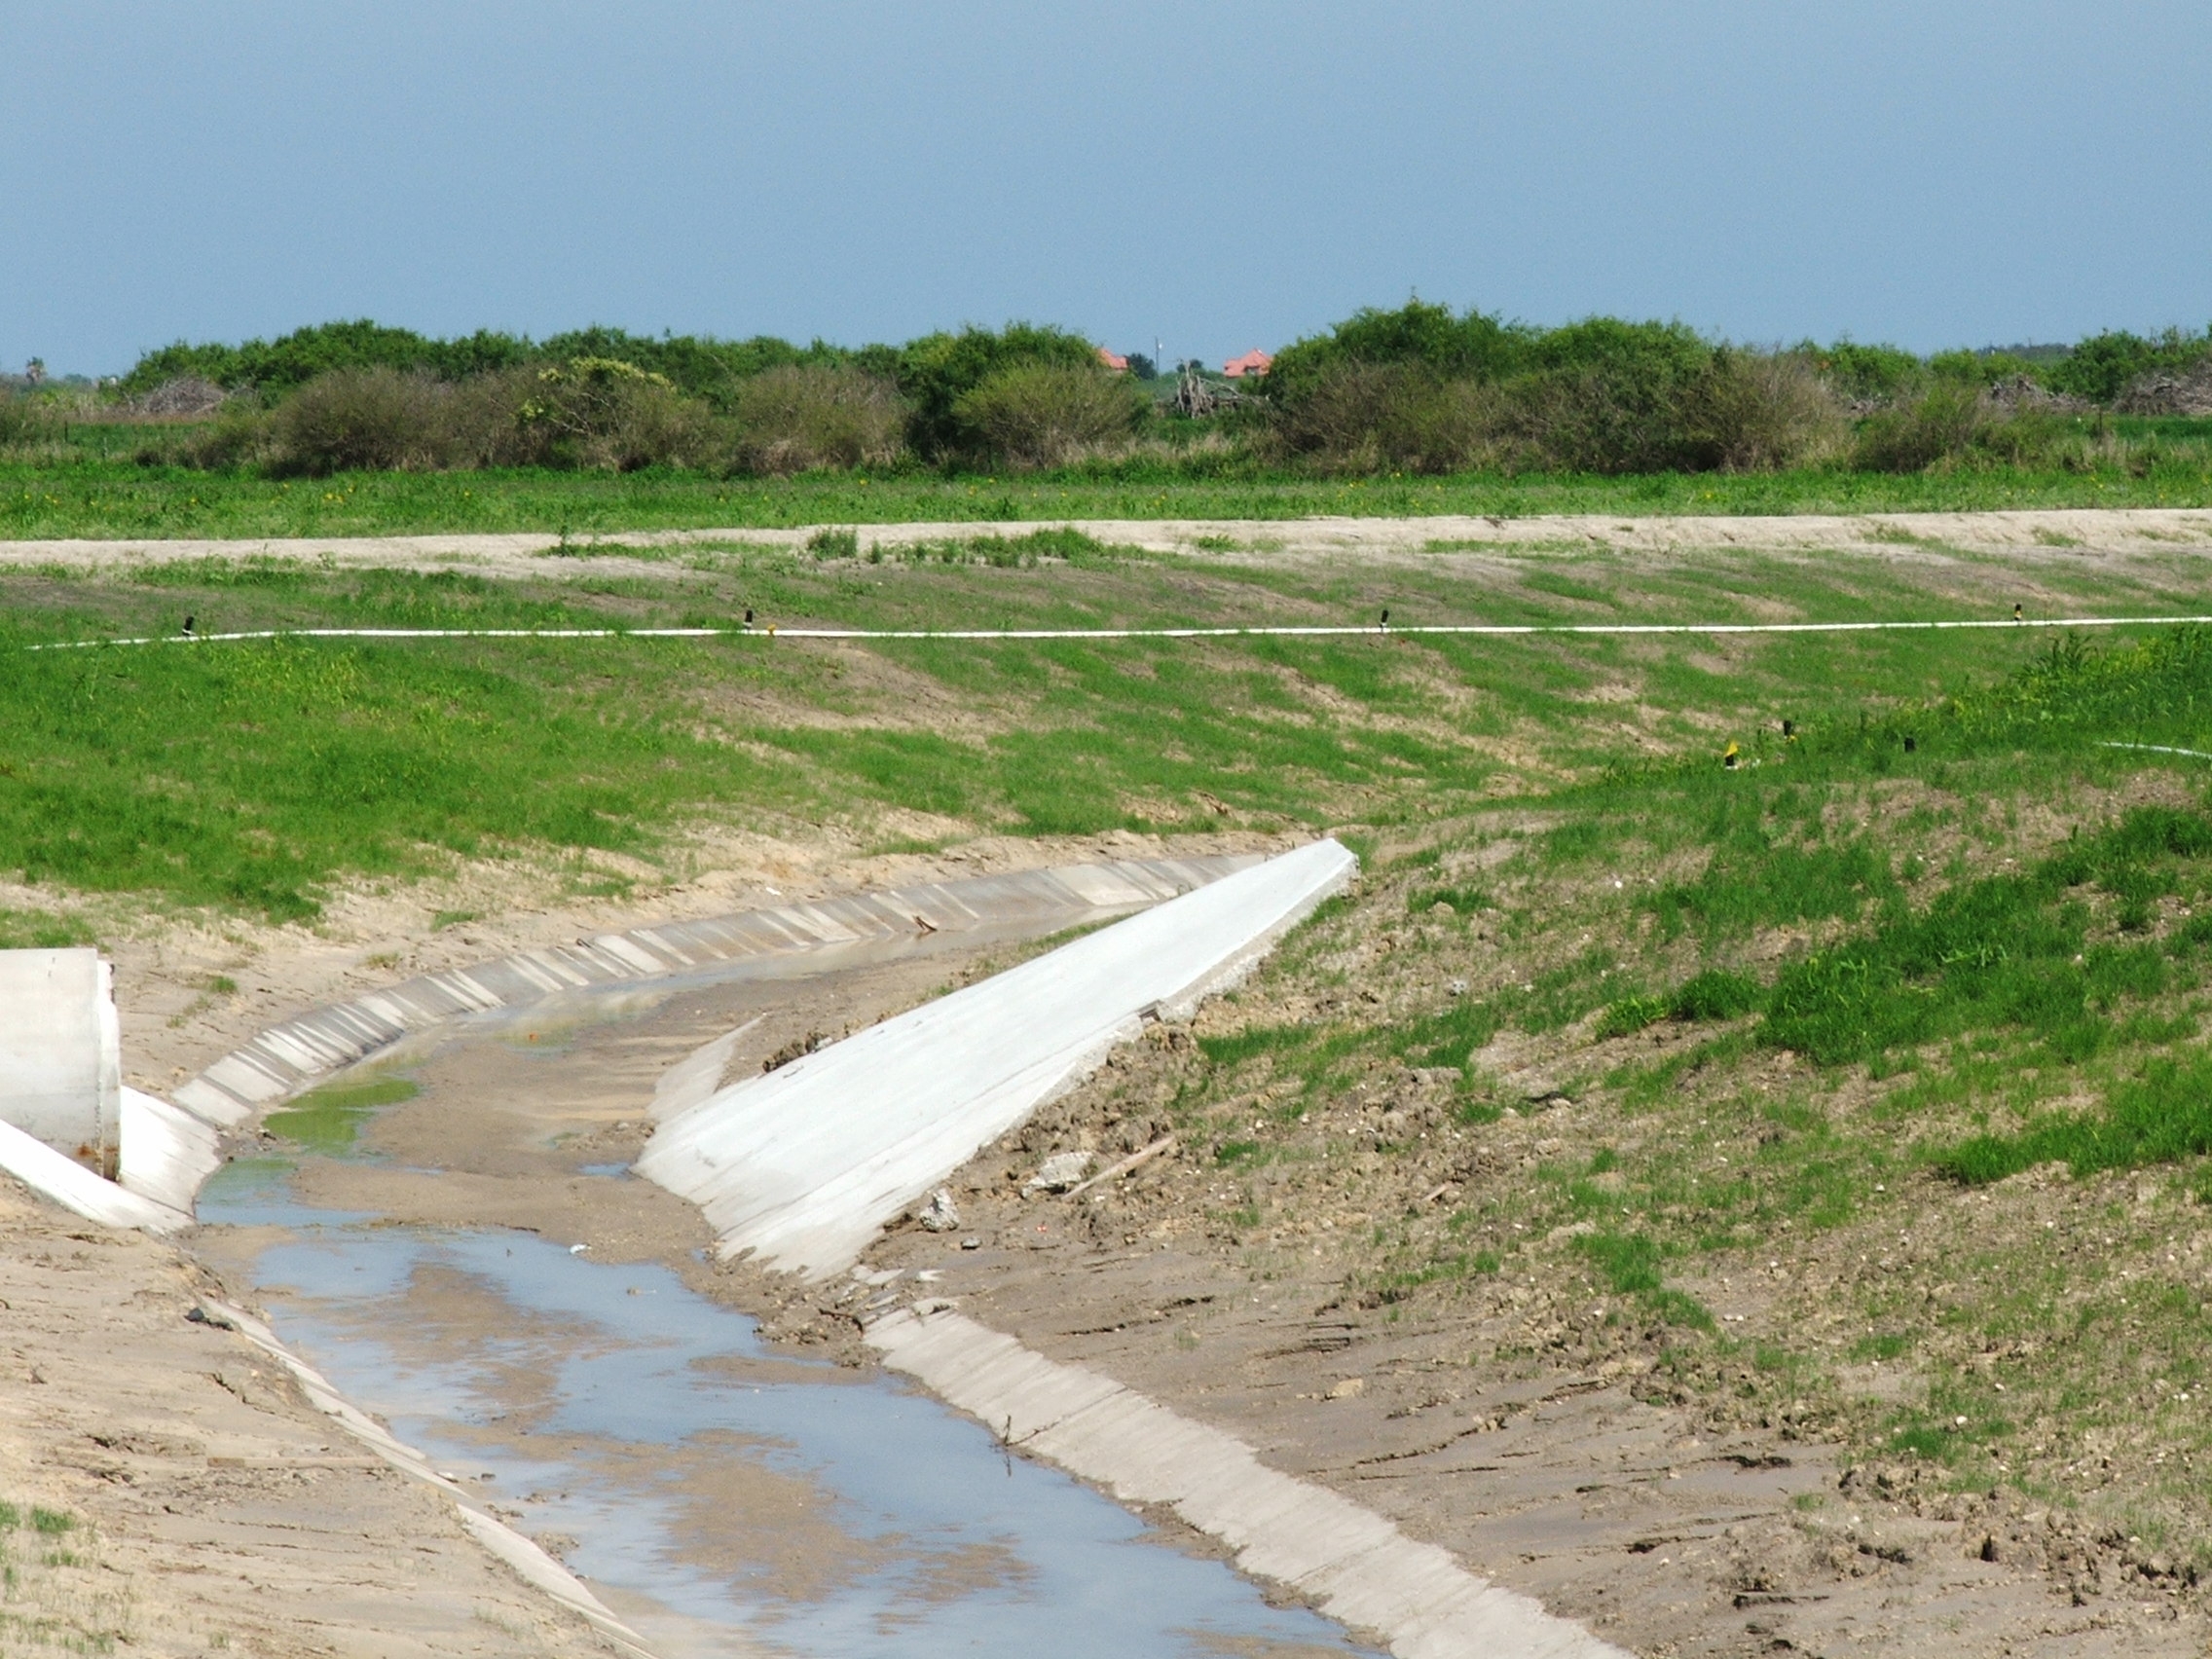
x=2000 y=952
x=1756 y=880
x=1630 y=1263
x=2161 y=1116
x=329 y=1120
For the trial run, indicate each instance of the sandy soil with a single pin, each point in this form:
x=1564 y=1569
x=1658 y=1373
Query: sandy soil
x=1660 y=1530
x=213 y=1507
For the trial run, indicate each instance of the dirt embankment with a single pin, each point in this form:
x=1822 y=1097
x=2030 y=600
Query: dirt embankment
x=1509 y=1425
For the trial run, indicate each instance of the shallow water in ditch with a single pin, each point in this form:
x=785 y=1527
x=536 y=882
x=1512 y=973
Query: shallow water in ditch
x=721 y=1497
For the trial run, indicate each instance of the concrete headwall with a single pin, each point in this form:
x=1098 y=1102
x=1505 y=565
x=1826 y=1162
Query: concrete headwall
x=61 y=1054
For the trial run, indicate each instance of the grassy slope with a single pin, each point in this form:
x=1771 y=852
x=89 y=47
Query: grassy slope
x=1874 y=1017
x=92 y=492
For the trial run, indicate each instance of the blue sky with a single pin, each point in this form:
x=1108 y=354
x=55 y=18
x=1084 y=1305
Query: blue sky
x=1216 y=174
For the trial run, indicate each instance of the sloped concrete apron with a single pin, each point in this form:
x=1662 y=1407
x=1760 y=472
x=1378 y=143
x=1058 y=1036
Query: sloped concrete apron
x=800 y=1167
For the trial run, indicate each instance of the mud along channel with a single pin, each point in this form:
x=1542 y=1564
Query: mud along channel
x=454 y=1239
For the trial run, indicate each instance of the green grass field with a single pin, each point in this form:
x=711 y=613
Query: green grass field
x=253 y=775
x=92 y=489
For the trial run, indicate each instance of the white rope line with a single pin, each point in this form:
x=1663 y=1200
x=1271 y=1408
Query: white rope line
x=772 y=631
x=2159 y=749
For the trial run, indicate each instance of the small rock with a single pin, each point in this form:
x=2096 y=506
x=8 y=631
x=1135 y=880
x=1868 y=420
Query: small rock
x=939 y=1215
x=1351 y=1388
x=971 y=1243
x=1060 y=1171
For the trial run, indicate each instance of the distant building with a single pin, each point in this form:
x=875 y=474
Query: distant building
x=1254 y=362
x=1114 y=360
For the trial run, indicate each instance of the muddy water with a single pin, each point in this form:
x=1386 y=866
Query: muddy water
x=722 y=1496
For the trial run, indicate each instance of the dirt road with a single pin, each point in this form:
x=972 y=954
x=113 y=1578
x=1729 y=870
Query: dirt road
x=2056 y=534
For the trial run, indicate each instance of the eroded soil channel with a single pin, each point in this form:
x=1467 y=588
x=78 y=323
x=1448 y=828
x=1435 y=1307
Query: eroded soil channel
x=474 y=1264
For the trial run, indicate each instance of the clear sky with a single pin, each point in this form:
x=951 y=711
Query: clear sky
x=1214 y=173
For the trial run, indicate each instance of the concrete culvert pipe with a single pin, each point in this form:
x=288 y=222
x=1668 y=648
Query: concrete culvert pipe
x=61 y=1054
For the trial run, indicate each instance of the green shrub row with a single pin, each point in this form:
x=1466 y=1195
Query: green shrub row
x=1419 y=389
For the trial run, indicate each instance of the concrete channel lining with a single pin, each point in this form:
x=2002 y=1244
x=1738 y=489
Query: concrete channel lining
x=800 y=1167
x=1354 y=1565
x=294 y=1054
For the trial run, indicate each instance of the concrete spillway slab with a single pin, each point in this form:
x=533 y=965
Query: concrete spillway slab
x=61 y=1053
x=803 y=1165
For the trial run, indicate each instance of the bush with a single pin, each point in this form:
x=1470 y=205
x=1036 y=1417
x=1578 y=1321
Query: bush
x=604 y=414
x=239 y=434
x=1475 y=347
x=1049 y=414
x=1867 y=373
x=24 y=420
x=484 y=424
x=1940 y=424
x=306 y=354
x=1368 y=417
x=2106 y=366
x=1602 y=397
x=593 y=413
x=937 y=371
x=1954 y=422
x=797 y=417
x=716 y=370
x=361 y=421
x=1611 y=396
x=1752 y=411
